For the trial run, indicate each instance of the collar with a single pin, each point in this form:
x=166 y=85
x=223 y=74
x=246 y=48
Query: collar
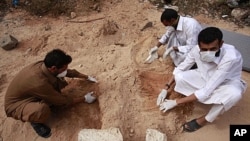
x=180 y=23
x=218 y=59
x=48 y=74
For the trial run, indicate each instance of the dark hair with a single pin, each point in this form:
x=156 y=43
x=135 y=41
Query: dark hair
x=57 y=58
x=168 y=14
x=209 y=35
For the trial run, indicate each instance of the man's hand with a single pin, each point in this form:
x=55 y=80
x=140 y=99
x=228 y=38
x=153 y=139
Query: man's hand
x=161 y=97
x=153 y=50
x=92 y=79
x=89 y=98
x=167 y=105
x=167 y=52
x=151 y=58
x=152 y=55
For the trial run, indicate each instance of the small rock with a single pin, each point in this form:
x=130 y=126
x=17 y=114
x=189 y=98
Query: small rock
x=47 y=27
x=96 y=7
x=147 y=25
x=8 y=42
x=239 y=13
x=28 y=50
x=224 y=16
x=80 y=33
x=232 y=3
x=176 y=8
x=72 y=15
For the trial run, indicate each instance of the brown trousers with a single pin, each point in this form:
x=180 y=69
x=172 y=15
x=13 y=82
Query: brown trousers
x=38 y=112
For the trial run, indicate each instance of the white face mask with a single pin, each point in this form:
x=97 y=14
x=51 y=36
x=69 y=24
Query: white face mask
x=208 y=56
x=62 y=74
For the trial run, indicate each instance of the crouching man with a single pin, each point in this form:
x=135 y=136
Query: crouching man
x=37 y=87
x=216 y=81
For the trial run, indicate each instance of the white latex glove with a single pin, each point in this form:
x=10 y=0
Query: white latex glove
x=151 y=58
x=152 y=55
x=92 y=79
x=167 y=105
x=161 y=97
x=167 y=52
x=153 y=50
x=89 y=98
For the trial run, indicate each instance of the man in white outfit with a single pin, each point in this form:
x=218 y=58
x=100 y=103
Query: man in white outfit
x=216 y=81
x=180 y=37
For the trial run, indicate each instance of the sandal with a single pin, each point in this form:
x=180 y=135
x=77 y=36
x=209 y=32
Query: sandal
x=191 y=126
x=41 y=129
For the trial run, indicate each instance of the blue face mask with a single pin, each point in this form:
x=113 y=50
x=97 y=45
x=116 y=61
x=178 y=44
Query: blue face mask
x=207 y=56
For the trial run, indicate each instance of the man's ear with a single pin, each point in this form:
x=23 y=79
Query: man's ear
x=52 y=69
x=173 y=20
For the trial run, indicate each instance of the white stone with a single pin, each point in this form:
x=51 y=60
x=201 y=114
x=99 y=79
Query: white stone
x=155 y=135
x=111 y=134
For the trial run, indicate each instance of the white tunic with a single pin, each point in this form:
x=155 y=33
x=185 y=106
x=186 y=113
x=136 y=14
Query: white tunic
x=218 y=82
x=184 y=37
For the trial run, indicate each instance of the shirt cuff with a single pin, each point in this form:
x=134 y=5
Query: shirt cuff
x=182 y=49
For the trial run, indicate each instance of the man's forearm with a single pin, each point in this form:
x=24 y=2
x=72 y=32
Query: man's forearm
x=170 y=82
x=159 y=44
x=83 y=76
x=75 y=73
x=78 y=100
x=187 y=99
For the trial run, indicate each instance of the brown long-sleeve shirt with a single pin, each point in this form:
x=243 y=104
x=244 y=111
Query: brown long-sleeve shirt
x=35 y=83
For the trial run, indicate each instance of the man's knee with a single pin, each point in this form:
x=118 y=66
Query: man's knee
x=36 y=112
x=178 y=77
x=235 y=94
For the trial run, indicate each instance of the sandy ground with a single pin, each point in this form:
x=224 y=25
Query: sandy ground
x=111 y=48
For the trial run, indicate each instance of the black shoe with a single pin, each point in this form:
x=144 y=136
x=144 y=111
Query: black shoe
x=41 y=129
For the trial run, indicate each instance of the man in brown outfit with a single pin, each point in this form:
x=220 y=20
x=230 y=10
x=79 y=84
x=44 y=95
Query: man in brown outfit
x=37 y=87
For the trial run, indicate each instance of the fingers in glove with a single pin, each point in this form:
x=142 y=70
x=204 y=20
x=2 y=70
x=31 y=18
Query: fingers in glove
x=162 y=108
x=161 y=97
x=92 y=79
x=165 y=110
x=151 y=58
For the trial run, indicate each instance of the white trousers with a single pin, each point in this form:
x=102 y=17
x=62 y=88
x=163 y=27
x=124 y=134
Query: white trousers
x=215 y=111
x=223 y=97
x=177 y=57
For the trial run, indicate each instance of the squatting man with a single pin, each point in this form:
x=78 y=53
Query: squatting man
x=181 y=35
x=216 y=81
x=36 y=89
